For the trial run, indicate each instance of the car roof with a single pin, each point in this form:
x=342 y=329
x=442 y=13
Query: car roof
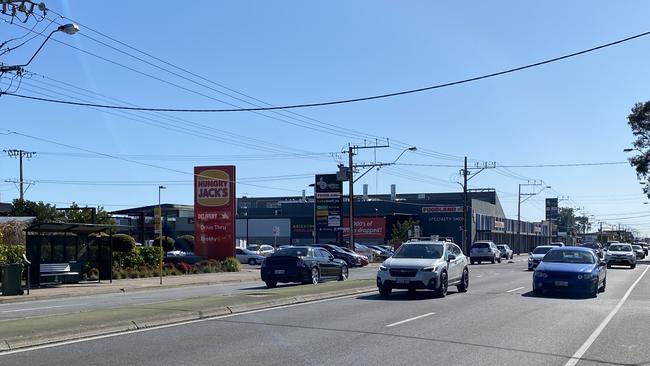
x=575 y=249
x=428 y=242
x=547 y=246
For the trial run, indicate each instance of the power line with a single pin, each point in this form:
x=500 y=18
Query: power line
x=336 y=102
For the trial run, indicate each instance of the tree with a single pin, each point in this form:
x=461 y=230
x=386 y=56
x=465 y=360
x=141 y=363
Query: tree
x=567 y=220
x=84 y=215
x=639 y=122
x=401 y=230
x=44 y=212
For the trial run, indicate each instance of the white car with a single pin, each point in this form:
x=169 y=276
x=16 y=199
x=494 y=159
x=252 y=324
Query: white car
x=248 y=256
x=620 y=253
x=432 y=265
x=264 y=249
x=484 y=251
x=537 y=254
x=506 y=252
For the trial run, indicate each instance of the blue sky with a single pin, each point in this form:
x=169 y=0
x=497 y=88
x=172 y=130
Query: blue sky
x=573 y=111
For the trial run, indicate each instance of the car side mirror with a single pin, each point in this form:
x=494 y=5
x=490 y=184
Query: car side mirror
x=451 y=257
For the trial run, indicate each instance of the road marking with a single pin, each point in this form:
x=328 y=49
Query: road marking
x=128 y=332
x=41 y=308
x=410 y=320
x=515 y=289
x=592 y=338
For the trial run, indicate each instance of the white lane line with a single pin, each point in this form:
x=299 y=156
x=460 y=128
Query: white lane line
x=41 y=308
x=515 y=289
x=119 y=334
x=409 y=320
x=592 y=338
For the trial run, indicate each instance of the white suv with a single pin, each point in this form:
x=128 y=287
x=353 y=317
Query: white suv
x=620 y=253
x=484 y=251
x=432 y=265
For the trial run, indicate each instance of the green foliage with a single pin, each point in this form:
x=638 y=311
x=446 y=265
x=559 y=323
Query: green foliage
x=231 y=264
x=123 y=243
x=639 y=122
x=167 y=242
x=11 y=254
x=44 y=212
x=134 y=258
x=186 y=241
x=401 y=230
x=84 y=215
x=150 y=255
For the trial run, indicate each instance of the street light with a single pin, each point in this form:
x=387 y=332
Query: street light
x=160 y=262
x=69 y=29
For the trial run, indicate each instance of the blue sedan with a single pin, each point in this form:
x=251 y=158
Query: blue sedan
x=570 y=269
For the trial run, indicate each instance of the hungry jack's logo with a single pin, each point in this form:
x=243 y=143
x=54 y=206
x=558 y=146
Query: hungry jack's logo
x=213 y=188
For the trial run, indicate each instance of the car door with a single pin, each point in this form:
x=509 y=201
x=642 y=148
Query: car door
x=452 y=265
x=495 y=251
x=241 y=256
x=328 y=262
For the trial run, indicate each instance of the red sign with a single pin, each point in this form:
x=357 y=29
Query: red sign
x=365 y=227
x=214 y=211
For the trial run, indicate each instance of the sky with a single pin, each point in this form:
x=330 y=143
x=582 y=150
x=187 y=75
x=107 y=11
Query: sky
x=216 y=54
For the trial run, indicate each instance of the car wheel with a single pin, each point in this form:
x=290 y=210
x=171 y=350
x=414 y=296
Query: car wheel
x=385 y=291
x=252 y=261
x=633 y=266
x=594 y=291
x=315 y=276
x=344 y=273
x=499 y=260
x=537 y=291
x=602 y=288
x=464 y=281
x=493 y=260
x=271 y=284
x=444 y=284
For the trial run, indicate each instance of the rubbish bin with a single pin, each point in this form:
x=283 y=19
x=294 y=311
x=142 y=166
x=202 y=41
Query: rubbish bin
x=11 y=279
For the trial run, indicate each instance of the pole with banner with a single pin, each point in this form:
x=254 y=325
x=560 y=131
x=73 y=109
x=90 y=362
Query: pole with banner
x=276 y=233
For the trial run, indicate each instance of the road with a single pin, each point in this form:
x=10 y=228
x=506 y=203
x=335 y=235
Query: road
x=498 y=322
x=30 y=309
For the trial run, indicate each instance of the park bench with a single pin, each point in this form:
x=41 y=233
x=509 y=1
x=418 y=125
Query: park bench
x=56 y=271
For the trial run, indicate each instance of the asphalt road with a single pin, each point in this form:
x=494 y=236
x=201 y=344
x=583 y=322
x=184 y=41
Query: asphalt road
x=30 y=309
x=498 y=322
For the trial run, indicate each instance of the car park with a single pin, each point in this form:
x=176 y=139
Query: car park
x=351 y=259
x=302 y=264
x=362 y=259
x=383 y=253
x=638 y=251
x=620 y=253
x=484 y=251
x=537 y=254
x=432 y=265
x=248 y=256
x=506 y=252
x=595 y=247
x=572 y=269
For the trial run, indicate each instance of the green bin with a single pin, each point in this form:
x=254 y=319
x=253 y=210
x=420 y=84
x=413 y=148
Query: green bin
x=11 y=279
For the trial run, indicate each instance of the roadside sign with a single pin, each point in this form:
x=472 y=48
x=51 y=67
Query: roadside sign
x=276 y=231
x=157 y=221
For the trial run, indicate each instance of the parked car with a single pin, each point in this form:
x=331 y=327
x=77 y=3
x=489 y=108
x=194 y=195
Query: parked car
x=484 y=251
x=263 y=249
x=620 y=253
x=557 y=244
x=383 y=253
x=302 y=264
x=432 y=265
x=644 y=246
x=570 y=269
x=595 y=247
x=638 y=251
x=248 y=256
x=362 y=259
x=365 y=251
x=351 y=259
x=506 y=252
x=537 y=254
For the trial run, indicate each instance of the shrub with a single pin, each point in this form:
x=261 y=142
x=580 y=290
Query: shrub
x=93 y=274
x=184 y=268
x=150 y=255
x=185 y=243
x=167 y=242
x=231 y=264
x=123 y=243
x=11 y=253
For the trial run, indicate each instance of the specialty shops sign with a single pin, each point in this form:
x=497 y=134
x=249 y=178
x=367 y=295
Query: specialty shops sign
x=214 y=211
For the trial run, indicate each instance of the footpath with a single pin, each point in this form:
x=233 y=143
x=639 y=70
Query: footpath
x=38 y=331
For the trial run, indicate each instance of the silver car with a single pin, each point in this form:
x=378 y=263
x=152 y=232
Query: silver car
x=620 y=253
x=431 y=265
x=248 y=256
x=537 y=254
x=484 y=251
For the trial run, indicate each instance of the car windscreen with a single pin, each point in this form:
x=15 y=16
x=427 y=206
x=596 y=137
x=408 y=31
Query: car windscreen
x=636 y=247
x=292 y=252
x=620 y=248
x=431 y=251
x=501 y=247
x=569 y=256
x=541 y=250
x=480 y=245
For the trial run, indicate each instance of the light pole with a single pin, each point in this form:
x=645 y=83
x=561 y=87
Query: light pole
x=66 y=28
x=519 y=202
x=160 y=262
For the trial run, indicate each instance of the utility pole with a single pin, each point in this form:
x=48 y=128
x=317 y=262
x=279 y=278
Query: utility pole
x=351 y=192
x=20 y=154
x=465 y=245
x=519 y=202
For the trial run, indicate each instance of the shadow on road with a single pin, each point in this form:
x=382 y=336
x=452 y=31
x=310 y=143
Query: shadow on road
x=404 y=295
x=559 y=295
x=263 y=287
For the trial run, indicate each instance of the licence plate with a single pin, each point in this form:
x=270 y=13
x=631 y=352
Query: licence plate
x=403 y=281
x=279 y=271
x=562 y=283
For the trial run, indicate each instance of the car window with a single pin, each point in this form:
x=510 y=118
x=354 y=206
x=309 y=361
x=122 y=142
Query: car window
x=239 y=251
x=569 y=256
x=324 y=253
x=419 y=251
x=480 y=245
x=293 y=252
x=620 y=248
x=456 y=250
x=541 y=250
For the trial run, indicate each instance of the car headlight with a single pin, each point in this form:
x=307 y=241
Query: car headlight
x=530 y=259
x=540 y=275
x=383 y=268
x=429 y=269
x=585 y=276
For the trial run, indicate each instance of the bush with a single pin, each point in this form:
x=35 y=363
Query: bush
x=123 y=243
x=11 y=253
x=150 y=255
x=231 y=264
x=185 y=243
x=167 y=242
x=184 y=268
